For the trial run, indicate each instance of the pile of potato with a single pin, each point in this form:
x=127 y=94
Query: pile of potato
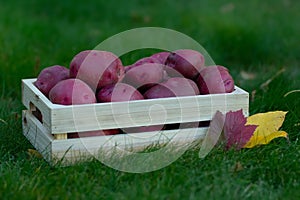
x=99 y=76
x=96 y=76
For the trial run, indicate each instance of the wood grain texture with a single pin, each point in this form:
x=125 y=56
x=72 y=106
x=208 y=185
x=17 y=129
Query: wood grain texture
x=80 y=149
x=58 y=120
x=37 y=135
x=99 y=116
x=68 y=151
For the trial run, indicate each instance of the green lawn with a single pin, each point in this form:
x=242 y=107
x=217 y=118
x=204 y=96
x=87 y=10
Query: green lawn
x=260 y=37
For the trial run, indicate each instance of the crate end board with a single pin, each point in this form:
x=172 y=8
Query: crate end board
x=35 y=134
x=60 y=119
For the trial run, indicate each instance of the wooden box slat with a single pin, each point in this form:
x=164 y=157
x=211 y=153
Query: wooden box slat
x=60 y=119
x=68 y=151
x=49 y=136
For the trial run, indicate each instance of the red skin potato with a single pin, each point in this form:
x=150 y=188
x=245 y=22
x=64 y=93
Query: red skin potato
x=37 y=113
x=72 y=92
x=186 y=61
x=49 y=77
x=94 y=133
x=161 y=56
x=144 y=74
x=118 y=92
x=215 y=79
x=173 y=87
x=97 y=68
x=144 y=129
x=141 y=62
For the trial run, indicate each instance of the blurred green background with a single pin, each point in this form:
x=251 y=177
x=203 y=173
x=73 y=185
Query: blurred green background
x=257 y=40
x=238 y=35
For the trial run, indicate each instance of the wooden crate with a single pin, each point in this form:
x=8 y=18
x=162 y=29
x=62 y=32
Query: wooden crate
x=50 y=134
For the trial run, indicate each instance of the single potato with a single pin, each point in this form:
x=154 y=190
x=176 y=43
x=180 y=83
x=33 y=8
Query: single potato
x=97 y=68
x=187 y=62
x=49 y=77
x=214 y=80
x=72 y=92
x=173 y=87
x=118 y=92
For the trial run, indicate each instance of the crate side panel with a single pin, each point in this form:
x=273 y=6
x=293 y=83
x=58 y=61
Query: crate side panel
x=74 y=150
x=145 y=112
x=61 y=119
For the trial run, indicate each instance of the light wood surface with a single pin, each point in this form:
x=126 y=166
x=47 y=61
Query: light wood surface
x=69 y=151
x=61 y=119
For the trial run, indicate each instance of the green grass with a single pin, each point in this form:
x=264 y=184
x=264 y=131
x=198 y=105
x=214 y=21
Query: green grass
x=257 y=37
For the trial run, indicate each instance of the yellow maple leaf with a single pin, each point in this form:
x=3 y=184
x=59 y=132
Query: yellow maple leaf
x=267 y=130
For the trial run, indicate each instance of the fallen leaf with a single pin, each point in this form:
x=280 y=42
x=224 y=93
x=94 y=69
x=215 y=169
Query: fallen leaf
x=259 y=140
x=270 y=120
x=229 y=130
x=237 y=167
x=236 y=132
x=34 y=153
x=268 y=125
